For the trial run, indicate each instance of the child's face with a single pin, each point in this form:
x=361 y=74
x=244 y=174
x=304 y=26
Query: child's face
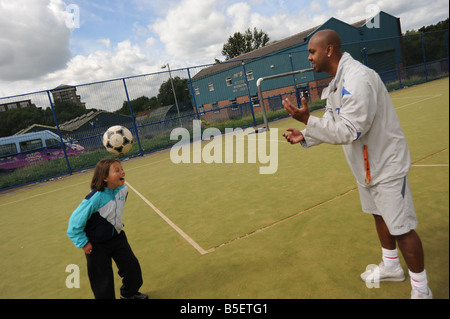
x=116 y=176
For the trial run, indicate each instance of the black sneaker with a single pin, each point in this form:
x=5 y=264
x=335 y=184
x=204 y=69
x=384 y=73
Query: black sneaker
x=139 y=295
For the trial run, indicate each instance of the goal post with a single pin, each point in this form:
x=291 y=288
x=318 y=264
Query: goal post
x=271 y=77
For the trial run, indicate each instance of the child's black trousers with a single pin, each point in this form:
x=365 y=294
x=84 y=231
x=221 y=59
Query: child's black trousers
x=100 y=271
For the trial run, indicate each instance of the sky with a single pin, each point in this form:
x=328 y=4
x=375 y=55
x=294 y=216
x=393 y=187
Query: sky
x=45 y=43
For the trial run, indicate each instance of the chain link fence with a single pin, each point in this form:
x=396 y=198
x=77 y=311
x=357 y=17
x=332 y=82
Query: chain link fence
x=59 y=131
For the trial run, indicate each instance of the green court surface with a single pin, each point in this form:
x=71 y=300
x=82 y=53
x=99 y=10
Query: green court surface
x=226 y=231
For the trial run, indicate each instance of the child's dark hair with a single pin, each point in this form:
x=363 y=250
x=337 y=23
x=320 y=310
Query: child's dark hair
x=101 y=172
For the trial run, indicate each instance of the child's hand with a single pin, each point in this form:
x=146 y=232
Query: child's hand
x=88 y=248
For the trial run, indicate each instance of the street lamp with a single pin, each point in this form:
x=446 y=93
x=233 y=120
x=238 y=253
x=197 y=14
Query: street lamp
x=173 y=90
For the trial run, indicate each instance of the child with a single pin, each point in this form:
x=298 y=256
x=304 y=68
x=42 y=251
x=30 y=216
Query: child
x=96 y=227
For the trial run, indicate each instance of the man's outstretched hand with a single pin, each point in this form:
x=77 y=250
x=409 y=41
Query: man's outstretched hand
x=293 y=136
x=301 y=115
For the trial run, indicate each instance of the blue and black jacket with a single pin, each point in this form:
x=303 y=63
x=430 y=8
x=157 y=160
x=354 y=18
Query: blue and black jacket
x=99 y=217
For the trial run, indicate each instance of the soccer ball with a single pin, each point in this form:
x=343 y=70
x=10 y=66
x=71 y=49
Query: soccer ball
x=118 y=140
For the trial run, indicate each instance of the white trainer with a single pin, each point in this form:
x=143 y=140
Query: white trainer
x=416 y=294
x=381 y=273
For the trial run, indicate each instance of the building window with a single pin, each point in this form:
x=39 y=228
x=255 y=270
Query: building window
x=211 y=87
x=229 y=81
x=234 y=105
x=250 y=75
x=215 y=108
x=197 y=90
x=255 y=100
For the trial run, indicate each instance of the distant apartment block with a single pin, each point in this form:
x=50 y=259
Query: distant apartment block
x=67 y=93
x=15 y=105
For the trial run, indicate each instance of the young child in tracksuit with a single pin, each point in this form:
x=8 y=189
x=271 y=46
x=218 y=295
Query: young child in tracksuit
x=96 y=227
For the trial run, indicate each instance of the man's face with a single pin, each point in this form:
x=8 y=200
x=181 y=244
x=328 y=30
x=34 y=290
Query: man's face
x=318 y=55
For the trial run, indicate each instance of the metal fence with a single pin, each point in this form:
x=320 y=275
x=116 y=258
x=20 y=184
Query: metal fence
x=152 y=105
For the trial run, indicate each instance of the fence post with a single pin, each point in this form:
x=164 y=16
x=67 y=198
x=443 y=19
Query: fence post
x=397 y=60
x=446 y=47
x=295 y=82
x=194 y=102
x=365 y=54
x=63 y=145
x=132 y=117
x=193 y=94
x=249 y=94
x=424 y=58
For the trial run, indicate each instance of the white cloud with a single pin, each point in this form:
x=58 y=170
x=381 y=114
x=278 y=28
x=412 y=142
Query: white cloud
x=240 y=15
x=150 y=42
x=124 y=60
x=105 y=42
x=34 y=39
x=35 y=42
x=412 y=13
x=421 y=14
x=276 y=25
x=315 y=6
x=193 y=29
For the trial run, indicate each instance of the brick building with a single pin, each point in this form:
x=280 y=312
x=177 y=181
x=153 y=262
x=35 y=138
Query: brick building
x=229 y=89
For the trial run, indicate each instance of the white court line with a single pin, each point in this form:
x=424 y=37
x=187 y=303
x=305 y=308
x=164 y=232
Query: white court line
x=72 y=185
x=405 y=89
x=269 y=140
x=37 y=195
x=431 y=165
x=283 y=220
x=428 y=98
x=413 y=97
x=171 y=224
x=152 y=163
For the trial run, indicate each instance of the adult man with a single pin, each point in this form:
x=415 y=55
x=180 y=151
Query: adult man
x=360 y=116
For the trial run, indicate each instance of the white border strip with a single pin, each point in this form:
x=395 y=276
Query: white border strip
x=171 y=224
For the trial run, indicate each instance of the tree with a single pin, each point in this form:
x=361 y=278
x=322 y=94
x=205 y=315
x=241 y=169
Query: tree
x=441 y=25
x=68 y=110
x=243 y=43
x=433 y=43
x=13 y=121
x=138 y=105
x=166 y=96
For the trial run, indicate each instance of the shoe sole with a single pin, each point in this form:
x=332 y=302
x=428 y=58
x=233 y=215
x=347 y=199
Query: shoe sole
x=391 y=279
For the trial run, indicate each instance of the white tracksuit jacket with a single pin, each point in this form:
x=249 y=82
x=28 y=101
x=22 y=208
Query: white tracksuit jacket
x=359 y=112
